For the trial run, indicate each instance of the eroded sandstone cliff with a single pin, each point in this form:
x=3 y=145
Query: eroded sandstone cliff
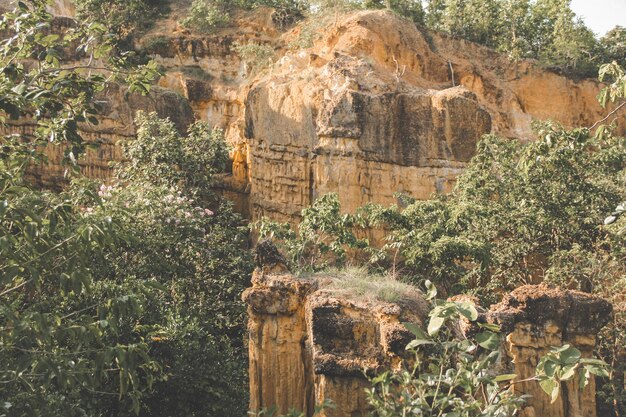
x=309 y=342
x=373 y=106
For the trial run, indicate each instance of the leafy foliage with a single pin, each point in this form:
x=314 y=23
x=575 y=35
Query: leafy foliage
x=123 y=17
x=188 y=244
x=206 y=15
x=55 y=95
x=323 y=239
x=116 y=298
x=450 y=375
x=563 y=364
x=547 y=30
x=515 y=211
x=60 y=343
x=161 y=156
x=255 y=56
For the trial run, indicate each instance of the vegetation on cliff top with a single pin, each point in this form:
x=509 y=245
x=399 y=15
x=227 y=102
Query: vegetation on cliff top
x=544 y=30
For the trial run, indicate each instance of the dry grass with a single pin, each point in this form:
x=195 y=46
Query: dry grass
x=358 y=282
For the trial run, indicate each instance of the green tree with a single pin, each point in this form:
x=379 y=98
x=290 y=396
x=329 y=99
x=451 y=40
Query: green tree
x=125 y=18
x=58 y=349
x=189 y=244
x=206 y=15
x=614 y=46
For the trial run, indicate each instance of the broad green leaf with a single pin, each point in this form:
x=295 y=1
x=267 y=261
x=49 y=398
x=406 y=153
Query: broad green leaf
x=584 y=376
x=431 y=290
x=468 y=310
x=488 y=340
x=569 y=355
x=551 y=387
x=568 y=372
x=435 y=324
x=600 y=371
x=418 y=342
x=416 y=330
x=490 y=326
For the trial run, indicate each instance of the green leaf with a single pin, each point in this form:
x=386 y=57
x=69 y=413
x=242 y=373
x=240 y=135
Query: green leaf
x=488 y=340
x=505 y=377
x=418 y=342
x=584 y=376
x=568 y=372
x=468 y=310
x=600 y=371
x=551 y=387
x=156 y=285
x=490 y=326
x=569 y=355
x=550 y=368
x=431 y=290
x=434 y=325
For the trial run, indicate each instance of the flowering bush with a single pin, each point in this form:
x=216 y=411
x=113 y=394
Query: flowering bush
x=188 y=247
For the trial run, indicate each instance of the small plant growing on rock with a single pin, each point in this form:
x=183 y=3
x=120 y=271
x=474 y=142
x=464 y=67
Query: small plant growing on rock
x=324 y=238
x=451 y=375
x=156 y=44
x=254 y=55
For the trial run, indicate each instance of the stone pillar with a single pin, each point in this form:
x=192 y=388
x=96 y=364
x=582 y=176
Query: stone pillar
x=536 y=318
x=309 y=343
x=279 y=359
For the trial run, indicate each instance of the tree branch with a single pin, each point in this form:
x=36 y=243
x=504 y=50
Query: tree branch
x=607 y=116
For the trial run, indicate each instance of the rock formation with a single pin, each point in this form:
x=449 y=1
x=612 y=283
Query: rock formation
x=372 y=107
x=377 y=107
x=310 y=343
x=536 y=318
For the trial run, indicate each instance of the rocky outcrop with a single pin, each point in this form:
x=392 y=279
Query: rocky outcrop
x=536 y=318
x=310 y=342
x=115 y=123
x=372 y=108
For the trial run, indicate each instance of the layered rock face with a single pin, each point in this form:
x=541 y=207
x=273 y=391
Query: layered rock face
x=373 y=107
x=309 y=343
x=116 y=123
x=537 y=318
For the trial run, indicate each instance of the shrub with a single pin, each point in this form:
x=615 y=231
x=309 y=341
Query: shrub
x=187 y=243
x=206 y=16
x=449 y=374
x=156 y=44
x=323 y=238
x=286 y=12
x=124 y=17
x=65 y=337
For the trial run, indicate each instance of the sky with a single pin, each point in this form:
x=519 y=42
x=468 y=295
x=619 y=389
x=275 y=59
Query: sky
x=601 y=15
